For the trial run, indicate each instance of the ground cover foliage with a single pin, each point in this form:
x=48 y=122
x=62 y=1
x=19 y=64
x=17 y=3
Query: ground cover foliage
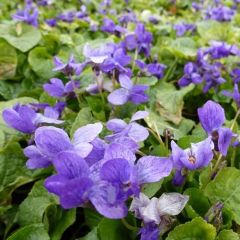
x=119 y=120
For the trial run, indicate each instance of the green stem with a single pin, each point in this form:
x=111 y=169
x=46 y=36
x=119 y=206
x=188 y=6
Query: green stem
x=128 y=226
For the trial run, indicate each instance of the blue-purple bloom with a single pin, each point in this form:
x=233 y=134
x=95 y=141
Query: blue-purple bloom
x=140 y=40
x=197 y=156
x=126 y=133
x=24 y=119
x=212 y=117
x=128 y=92
x=220 y=13
x=28 y=15
x=50 y=141
x=235 y=95
x=182 y=28
x=155 y=69
x=57 y=89
x=110 y=27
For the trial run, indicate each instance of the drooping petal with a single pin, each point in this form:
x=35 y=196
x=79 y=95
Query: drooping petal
x=137 y=132
x=87 y=133
x=178 y=178
x=118 y=96
x=171 y=203
x=42 y=119
x=51 y=141
x=12 y=119
x=139 y=115
x=55 y=184
x=224 y=140
x=116 y=125
x=211 y=116
x=153 y=169
x=75 y=193
x=71 y=165
x=138 y=204
x=83 y=149
x=150 y=212
x=149 y=231
x=105 y=199
x=125 y=81
x=36 y=159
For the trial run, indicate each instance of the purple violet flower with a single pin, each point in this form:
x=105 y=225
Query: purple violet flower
x=57 y=89
x=235 y=74
x=212 y=117
x=182 y=28
x=235 y=95
x=110 y=27
x=141 y=40
x=50 y=141
x=29 y=15
x=24 y=119
x=197 y=156
x=220 y=13
x=128 y=92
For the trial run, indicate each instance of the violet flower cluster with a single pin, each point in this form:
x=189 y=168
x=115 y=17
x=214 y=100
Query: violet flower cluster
x=208 y=68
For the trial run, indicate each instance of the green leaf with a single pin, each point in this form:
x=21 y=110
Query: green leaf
x=226 y=188
x=8 y=60
x=212 y=30
x=197 y=229
x=92 y=218
x=149 y=81
x=41 y=62
x=197 y=202
x=183 y=47
x=151 y=189
x=169 y=103
x=227 y=235
x=22 y=36
x=31 y=210
x=178 y=130
x=13 y=172
x=109 y=229
x=60 y=222
x=93 y=235
x=84 y=117
x=30 y=232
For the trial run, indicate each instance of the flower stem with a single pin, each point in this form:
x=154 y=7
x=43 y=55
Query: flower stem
x=128 y=226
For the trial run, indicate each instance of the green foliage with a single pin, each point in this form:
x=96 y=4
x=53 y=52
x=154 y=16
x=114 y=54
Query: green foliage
x=197 y=229
x=226 y=189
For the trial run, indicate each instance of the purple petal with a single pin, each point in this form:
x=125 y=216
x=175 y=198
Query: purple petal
x=139 y=115
x=116 y=171
x=75 y=193
x=116 y=125
x=105 y=200
x=42 y=119
x=224 y=140
x=55 y=184
x=177 y=155
x=119 y=96
x=83 y=149
x=71 y=165
x=116 y=150
x=36 y=159
x=51 y=141
x=125 y=81
x=137 y=132
x=87 y=133
x=211 y=116
x=153 y=169
x=55 y=88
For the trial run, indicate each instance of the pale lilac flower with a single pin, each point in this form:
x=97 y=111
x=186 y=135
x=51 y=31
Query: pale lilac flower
x=128 y=92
